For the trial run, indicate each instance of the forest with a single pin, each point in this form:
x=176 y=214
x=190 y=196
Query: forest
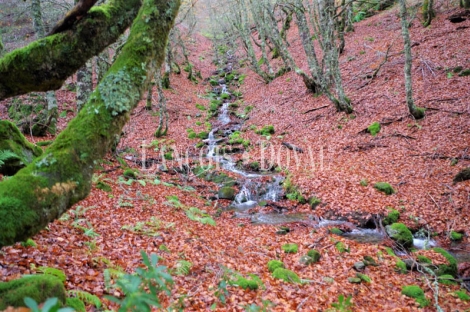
x=234 y=155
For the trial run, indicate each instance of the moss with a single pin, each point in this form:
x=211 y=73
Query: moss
x=419 y=112
x=200 y=107
x=392 y=216
x=225 y=96
x=465 y=73
x=75 y=304
x=266 y=130
x=45 y=143
x=247 y=283
x=447 y=279
x=130 y=173
x=354 y=280
x=456 y=236
x=286 y=275
x=401 y=234
x=13 y=141
x=275 y=264
x=414 y=291
x=401 y=266
x=104 y=186
x=374 y=128
x=314 y=254
x=462 y=295
x=200 y=144
x=363 y=277
x=450 y=268
x=290 y=248
x=341 y=247
x=29 y=243
x=226 y=192
x=191 y=133
x=38 y=287
x=203 y=135
x=423 y=259
x=314 y=202
x=336 y=231
x=384 y=188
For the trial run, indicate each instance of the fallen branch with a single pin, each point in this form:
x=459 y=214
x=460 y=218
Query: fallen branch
x=292 y=147
x=315 y=109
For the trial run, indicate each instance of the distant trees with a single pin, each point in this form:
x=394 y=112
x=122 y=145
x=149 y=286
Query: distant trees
x=417 y=112
x=261 y=27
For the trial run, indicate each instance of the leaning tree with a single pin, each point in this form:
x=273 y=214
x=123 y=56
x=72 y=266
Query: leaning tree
x=53 y=182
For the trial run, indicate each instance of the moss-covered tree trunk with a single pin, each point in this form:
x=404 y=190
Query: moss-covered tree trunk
x=52 y=183
x=428 y=12
x=417 y=112
x=44 y=64
x=84 y=84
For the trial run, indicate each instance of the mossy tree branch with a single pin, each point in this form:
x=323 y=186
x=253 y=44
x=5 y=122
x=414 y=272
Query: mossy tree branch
x=52 y=183
x=44 y=64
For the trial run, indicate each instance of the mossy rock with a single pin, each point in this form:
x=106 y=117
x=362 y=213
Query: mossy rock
x=384 y=188
x=203 y=135
x=446 y=269
x=392 y=217
x=354 y=280
x=401 y=266
x=456 y=236
x=17 y=151
x=286 y=275
x=290 y=248
x=465 y=73
x=275 y=264
x=75 y=304
x=266 y=130
x=363 y=277
x=423 y=259
x=247 y=283
x=414 y=291
x=369 y=261
x=336 y=231
x=227 y=192
x=37 y=287
x=419 y=112
x=314 y=254
x=374 y=128
x=463 y=175
x=401 y=234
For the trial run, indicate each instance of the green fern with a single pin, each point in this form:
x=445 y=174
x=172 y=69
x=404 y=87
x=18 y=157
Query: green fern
x=183 y=267
x=198 y=215
x=53 y=271
x=7 y=155
x=86 y=297
x=110 y=274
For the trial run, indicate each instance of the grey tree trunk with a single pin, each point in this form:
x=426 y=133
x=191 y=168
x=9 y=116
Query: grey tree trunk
x=428 y=12
x=417 y=112
x=84 y=82
x=163 y=116
x=102 y=63
x=48 y=120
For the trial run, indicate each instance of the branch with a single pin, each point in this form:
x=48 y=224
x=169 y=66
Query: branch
x=74 y=15
x=46 y=63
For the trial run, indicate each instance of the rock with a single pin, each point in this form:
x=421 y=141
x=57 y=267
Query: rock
x=368 y=260
x=401 y=234
x=359 y=266
x=275 y=264
x=286 y=275
x=384 y=188
x=15 y=151
x=463 y=175
x=314 y=254
x=38 y=287
x=354 y=280
x=226 y=192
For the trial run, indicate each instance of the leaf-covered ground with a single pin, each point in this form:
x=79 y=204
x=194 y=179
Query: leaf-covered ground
x=108 y=229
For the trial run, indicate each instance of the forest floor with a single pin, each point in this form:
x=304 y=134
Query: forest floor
x=107 y=230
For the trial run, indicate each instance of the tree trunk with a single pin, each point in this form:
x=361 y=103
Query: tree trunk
x=84 y=84
x=465 y=4
x=50 y=185
x=417 y=112
x=22 y=71
x=163 y=117
x=428 y=12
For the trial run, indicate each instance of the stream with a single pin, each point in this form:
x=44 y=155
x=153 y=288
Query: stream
x=260 y=187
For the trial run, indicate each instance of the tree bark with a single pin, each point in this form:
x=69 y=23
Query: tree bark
x=44 y=64
x=47 y=121
x=84 y=84
x=417 y=112
x=52 y=183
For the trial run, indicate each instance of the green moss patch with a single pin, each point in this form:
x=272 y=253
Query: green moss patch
x=446 y=269
x=392 y=216
x=314 y=254
x=290 y=248
x=286 y=275
x=384 y=188
x=336 y=231
x=401 y=234
x=462 y=295
x=275 y=264
x=414 y=291
x=266 y=130
x=456 y=236
x=37 y=287
x=447 y=279
x=374 y=128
